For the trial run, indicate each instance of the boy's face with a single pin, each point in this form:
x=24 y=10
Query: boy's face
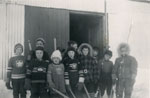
x=75 y=46
x=39 y=54
x=19 y=51
x=85 y=51
x=39 y=43
x=95 y=53
x=107 y=57
x=56 y=60
x=123 y=51
x=71 y=54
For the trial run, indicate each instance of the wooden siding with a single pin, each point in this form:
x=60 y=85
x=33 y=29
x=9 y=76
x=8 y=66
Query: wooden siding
x=11 y=32
x=48 y=24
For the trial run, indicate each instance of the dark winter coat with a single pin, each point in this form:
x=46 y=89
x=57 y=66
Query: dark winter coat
x=125 y=67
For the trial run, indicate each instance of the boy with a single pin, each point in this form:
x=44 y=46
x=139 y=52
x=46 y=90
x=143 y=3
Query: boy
x=106 y=67
x=72 y=44
x=36 y=79
x=96 y=53
x=90 y=68
x=55 y=75
x=73 y=73
x=16 y=73
x=96 y=58
x=40 y=42
x=125 y=71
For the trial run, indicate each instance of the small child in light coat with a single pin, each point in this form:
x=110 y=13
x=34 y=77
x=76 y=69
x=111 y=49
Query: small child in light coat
x=55 y=75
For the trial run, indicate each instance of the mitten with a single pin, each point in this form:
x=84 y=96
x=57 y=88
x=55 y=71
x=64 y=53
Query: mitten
x=80 y=86
x=52 y=85
x=68 y=88
x=8 y=85
x=80 y=83
x=27 y=85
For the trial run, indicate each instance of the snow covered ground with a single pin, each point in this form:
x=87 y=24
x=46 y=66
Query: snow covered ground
x=141 y=88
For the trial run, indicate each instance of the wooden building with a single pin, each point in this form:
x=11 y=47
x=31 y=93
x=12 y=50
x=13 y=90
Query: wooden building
x=79 y=20
x=25 y=20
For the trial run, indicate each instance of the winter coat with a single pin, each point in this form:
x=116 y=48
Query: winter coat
x=89 y=65
x=55 y=76
x=125 y=67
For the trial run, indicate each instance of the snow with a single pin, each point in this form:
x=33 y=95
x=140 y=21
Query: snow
x=141 y=87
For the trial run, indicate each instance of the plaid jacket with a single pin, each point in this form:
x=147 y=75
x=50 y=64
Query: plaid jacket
x=90 y=68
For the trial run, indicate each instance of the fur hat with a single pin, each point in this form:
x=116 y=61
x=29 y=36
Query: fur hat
x=18 y=46
x=85 y=45
x=123 y=45
x=39 y=48
x=41 y=39
x=56 y=53
x=108 y=52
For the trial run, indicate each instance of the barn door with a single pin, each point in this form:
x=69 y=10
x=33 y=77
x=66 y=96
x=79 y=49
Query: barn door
x=48 y=24
x=87 y=28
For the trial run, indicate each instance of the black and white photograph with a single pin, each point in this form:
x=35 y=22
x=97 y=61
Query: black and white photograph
x=74 y=48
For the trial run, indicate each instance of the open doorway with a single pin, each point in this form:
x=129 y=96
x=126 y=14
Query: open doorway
x=87 y=28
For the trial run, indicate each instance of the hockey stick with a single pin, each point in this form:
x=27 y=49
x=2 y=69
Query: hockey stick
x=60 y=93
x=113 y=92
x=30 y=47
x=55 y=44
x=72 y=93
x=97 y=93
x=86 y=91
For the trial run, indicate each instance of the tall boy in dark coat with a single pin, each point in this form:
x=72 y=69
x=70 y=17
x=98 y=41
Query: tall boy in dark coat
x=125 y=71
x=90 y=68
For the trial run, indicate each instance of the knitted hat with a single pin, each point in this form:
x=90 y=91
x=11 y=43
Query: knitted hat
x=18 y=46
x=108 y=52
x=56 y=53
x=41 y=39
x=39 y=48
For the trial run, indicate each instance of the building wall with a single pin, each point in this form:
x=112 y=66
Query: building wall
x=80 y=5
x=48 y=24
x=11 y=32
x=129 y=22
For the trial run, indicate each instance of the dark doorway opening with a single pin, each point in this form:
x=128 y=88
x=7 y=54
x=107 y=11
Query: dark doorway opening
x=87 y=28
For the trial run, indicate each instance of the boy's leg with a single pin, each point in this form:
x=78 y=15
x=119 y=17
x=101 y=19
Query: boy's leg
x=43 y=91
x=91 y=89
x=109 y=88
x=129 y=88
x=15 y=85
x=120 y=88
x=102 y=89
x=22 y=90
x=34 y=90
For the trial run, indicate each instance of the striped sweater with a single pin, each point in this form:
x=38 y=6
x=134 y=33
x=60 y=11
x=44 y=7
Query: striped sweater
x=16 y=68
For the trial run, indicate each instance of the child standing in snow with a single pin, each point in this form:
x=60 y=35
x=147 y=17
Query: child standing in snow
x=40 y=42
x=16 y=73
x=106 y=67
x=90 y=68
x=36 y=76
x=73 y=73
x=125 y=71
x=55 y=75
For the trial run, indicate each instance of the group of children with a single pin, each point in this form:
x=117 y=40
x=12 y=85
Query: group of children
x=76 y=73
